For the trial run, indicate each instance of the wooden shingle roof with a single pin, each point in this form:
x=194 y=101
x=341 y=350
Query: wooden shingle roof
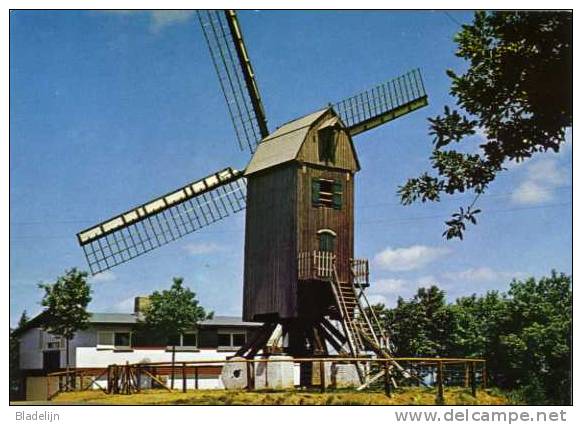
x=284 y=144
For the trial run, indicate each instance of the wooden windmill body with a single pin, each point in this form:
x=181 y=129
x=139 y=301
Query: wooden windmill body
x=300 y=192
x=300 y=274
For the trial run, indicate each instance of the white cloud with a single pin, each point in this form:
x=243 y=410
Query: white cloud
x=480 y=275
x=377 y=299
x=389 y=286
x=165 y=18
x=410 y=258
x=202 y=248
x=159 y=19
x=388 y=290
x=542 y=177
x=106 y=276
x=530 y=192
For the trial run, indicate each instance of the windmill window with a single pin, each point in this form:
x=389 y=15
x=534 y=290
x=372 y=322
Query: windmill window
x=326 y=241
x=327 y=141
x=326 y=193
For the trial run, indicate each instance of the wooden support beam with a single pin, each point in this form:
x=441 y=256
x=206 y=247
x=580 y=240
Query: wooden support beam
x=334 y=331
x=440 y=398
x=322 y=375
x=184 y=380
x=387 y=380
x=252 y=340
x=473 y=379
x=158 y=381
x=331 y=339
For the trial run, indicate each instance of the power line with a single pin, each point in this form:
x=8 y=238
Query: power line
x=454 y=20
x=364 y=206
x=389 y=221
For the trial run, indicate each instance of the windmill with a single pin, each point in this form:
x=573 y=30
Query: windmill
x=301 y=279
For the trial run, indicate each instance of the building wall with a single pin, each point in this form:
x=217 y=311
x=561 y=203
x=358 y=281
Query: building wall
x=30 y=349
x=95 y=357
x=84 y=351
x=270 y=276
x=314 y=218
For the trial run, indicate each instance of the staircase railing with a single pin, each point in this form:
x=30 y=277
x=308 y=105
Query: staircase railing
x=315 y=265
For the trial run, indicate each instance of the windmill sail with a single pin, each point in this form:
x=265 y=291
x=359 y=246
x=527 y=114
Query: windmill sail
x=383 y=103
x=163 y=220
x=235 y=74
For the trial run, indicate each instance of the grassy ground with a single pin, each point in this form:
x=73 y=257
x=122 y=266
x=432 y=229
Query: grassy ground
x=404 y=396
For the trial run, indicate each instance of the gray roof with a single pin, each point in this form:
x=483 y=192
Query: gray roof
x=227 y=321
x=121 y=318
x=283 y=144
x=131 y=318
x=113 y=318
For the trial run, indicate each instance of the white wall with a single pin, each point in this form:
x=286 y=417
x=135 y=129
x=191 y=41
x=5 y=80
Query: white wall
x=94 y=357
x=84 y=352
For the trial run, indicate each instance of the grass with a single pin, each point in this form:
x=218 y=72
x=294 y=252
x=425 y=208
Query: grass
x=403 y=396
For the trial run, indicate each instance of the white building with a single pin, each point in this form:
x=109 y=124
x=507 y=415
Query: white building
x=113 y=338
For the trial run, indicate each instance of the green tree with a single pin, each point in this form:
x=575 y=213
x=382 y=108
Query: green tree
x=65 y=303
x=173 y=312
x=517 y=91
x=15 y=377
x=23 y=320
x=477 y=324
x=423 y=325
x=535 y=342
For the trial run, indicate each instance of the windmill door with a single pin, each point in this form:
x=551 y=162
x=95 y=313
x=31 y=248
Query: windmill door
x=51 y=360
x=326 y=240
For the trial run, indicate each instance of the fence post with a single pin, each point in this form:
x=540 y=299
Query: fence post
x=183 y=377
x=196 y=377
x=387 y=380
x=440 y=399
x=466 y=381
x=484 y=375
x=322 y=375
x=138 y=378
x=473 y=380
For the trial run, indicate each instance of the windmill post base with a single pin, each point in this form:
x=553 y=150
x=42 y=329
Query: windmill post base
x=305 y=338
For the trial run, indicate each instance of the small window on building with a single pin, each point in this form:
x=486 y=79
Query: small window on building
x=105 y=339
x=231 y=339
x=327 y=141
x=239 y=339
x=111 y=339
x=186 y=340
x=53 y=342
x=224 y=340
x=189 y=339
x=326 y=193
x=122 y=339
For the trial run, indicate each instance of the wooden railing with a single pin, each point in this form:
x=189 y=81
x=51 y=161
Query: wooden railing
x=315 y=265
x=434 y=372
x=361 y=272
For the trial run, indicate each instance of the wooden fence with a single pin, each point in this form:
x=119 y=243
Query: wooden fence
x=128 y=378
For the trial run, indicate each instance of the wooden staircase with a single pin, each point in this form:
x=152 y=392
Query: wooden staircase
x=364 y=332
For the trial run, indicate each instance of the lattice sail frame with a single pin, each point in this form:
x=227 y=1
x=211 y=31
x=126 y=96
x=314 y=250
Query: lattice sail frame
x=235 y=75
x=383 y=103
x=163 y=220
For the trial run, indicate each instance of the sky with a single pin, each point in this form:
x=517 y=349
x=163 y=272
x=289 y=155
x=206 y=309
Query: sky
x=111 y=109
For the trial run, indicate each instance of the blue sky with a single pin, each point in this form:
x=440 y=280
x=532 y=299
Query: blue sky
x=111 y=109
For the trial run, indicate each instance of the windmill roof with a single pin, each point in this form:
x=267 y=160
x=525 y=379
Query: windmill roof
x=283 y=144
